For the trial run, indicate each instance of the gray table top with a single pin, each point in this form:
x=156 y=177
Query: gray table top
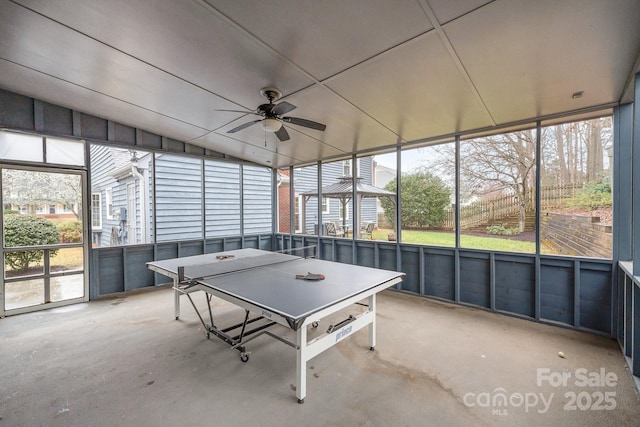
x=271 y=283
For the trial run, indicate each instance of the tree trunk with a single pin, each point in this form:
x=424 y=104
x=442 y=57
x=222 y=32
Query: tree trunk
x=562 y=162
x=594 y=152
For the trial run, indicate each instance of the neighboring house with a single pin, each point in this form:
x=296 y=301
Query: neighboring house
x=122 y=183
x=53 y=210
x=305 y=180
x=119 y=181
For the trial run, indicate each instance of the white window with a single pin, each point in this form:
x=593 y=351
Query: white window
x=96 y=210
x=347 y=170
x=109 y=201
x=326 y=206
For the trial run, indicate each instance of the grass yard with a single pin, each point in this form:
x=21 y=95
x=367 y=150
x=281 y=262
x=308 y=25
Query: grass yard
x=65 y=259
x=439 y=238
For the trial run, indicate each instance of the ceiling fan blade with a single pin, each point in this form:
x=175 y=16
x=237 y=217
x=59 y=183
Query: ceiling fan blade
x=282 y=134
x=283 y=108
x=304 y=122
x=242 y=126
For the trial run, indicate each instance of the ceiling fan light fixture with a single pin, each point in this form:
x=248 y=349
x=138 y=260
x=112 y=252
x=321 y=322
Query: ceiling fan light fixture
x=271 y=125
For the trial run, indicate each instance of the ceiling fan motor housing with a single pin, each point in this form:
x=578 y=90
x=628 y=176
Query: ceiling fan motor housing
x=271 y=93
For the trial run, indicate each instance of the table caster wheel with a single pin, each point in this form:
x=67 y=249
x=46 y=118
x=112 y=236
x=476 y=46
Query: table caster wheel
x=314 y=324
x=244 y=357
x=301 y=401
x=372 y=348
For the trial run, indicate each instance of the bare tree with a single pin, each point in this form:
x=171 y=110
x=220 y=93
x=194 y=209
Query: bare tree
x=33 y=190
x=494 y=164
x=574 y=152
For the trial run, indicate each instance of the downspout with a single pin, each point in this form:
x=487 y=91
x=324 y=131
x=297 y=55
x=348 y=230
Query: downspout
x=143 y=201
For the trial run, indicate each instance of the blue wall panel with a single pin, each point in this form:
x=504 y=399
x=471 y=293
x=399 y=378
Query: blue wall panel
x=327 y=249
x=366 y=254
x=344 y=251
x=439 y=277
x=137 y=277
x=411 y=266
x=515 y=284
x=388 y=257
x=190 y=248
x=233 y=243
x=251 y=242
x=214 y=245
x=595 y=297
x=556 y=290
x=474 y=278
x=110 y=271
x=266 y=243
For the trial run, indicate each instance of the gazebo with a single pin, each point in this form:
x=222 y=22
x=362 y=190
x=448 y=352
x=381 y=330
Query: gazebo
x=343 y=190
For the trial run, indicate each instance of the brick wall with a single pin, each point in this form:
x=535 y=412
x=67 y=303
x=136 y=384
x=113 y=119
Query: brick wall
x=284 y=204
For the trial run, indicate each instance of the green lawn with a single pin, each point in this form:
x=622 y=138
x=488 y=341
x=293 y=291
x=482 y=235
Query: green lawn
x=437 y=238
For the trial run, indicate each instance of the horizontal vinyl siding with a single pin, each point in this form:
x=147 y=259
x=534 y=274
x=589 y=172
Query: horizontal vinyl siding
x=222 y=198
x=178 y=198
x=256 y=196
x=305 y=179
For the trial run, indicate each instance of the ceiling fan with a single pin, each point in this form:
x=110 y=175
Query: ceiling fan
x=273 y=116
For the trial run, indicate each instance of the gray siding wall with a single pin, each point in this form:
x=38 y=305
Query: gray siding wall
x=101 y=163
x=256 y=197
x=178 y=197
x=305 y=180
x=222 y=196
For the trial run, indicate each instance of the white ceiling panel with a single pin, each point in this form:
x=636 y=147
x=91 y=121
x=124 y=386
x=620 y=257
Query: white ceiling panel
x=71 y=57
x=414 y=90
x=531 y=66
x=264 y=147
x=329 y=36
x=376 y=72
x=187 y=39
x=447 y=10
x=349 y=129
x=59 y=92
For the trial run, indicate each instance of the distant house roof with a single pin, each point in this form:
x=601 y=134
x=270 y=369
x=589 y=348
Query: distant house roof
x=344 y=189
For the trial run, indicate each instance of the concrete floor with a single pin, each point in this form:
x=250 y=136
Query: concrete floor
x=126 y=361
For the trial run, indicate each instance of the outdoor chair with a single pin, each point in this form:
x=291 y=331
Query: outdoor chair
x=367 y=230
x=333 y=230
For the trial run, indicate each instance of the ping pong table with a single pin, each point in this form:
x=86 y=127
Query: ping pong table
x=265 y=285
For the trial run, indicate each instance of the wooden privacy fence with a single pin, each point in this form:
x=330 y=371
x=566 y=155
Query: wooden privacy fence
x=491 y=211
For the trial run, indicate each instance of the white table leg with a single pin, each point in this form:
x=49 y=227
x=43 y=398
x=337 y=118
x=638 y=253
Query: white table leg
x=176 y=299
x=372 y=325
x=301 y=364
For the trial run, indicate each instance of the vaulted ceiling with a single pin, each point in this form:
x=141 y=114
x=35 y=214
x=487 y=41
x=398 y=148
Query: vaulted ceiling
x=376 y=72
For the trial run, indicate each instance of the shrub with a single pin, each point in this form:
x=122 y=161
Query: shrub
x=26 y=230
x=595 y=194
x=503 y=230
x=425 y=198
x=70 y=231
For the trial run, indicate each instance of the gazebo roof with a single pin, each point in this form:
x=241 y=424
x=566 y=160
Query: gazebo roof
x=344 y=189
